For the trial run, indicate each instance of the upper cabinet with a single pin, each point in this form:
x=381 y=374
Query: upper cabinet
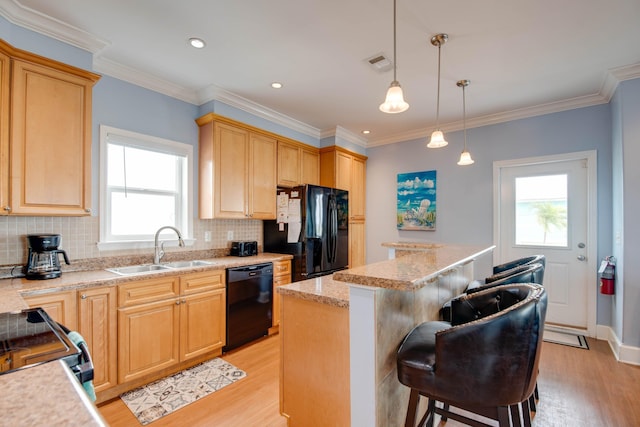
x=343 y=169
x=237 y=170
x=45 y=151
x=298 y=164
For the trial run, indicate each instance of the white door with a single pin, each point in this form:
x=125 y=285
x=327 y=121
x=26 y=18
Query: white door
x=545 y=206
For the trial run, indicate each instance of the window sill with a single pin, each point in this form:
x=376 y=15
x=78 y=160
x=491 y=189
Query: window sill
x=140 y=244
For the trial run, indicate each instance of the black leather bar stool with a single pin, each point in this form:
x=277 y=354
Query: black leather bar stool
x=485 y=361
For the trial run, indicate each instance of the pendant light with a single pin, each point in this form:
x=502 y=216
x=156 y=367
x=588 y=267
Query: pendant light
x=465 y=156
x=437 y=138
x=394 y=102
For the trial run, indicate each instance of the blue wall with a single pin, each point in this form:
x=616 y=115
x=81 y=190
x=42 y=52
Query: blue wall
x=465 y=194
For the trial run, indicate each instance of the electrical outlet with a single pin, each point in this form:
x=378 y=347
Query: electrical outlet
x=207 y=236
x=230 y=235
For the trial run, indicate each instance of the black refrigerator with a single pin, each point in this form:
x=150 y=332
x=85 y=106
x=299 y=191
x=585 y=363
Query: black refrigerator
x=313 y=226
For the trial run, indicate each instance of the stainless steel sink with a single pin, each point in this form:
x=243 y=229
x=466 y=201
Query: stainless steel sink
x=138 y=269
x=184 y=264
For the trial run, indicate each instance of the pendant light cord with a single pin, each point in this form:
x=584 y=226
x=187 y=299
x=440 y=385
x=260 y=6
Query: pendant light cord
x=438 y=97
x=395 y=61
x=464 y=116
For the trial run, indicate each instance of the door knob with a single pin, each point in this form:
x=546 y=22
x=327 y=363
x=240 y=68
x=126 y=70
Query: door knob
x=581 y=257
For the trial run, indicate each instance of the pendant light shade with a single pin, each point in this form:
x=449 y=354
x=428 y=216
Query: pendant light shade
x=465 y=156
x=394 y=102
x=437 y=138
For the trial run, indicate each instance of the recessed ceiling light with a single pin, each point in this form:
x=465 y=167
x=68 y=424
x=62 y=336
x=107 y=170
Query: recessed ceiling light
x=197 y=43
x=366 y=132
x=276 y=85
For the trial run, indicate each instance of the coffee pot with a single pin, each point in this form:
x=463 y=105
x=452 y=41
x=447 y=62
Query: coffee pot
x=43 y=262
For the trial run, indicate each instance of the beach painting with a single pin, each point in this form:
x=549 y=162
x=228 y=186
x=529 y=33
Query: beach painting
x=416 y=205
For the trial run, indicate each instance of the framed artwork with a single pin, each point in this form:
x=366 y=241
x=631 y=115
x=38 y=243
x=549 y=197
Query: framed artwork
x=416 y=201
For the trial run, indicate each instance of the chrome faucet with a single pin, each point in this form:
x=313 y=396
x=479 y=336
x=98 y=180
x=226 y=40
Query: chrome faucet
x=159 y=250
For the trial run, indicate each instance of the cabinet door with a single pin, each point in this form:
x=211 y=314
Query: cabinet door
x=288 y=164
x=4 y=133
x=343 y=171
x=231 y=151
x=97 y=324
x=148 y=338
x=60 y=306
x=310 y=167
x=356 y=244
x=281 y=276
x=262 y=177
x=202 y=323
x=357 y=193
x=50 y=141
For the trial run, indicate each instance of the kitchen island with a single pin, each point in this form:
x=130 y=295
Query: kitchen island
x=371 y=307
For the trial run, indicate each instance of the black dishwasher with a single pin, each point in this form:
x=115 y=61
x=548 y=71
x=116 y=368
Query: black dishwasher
x=249 y=302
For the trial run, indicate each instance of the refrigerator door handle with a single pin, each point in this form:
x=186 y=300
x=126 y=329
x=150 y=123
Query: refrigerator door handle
x=332 y=230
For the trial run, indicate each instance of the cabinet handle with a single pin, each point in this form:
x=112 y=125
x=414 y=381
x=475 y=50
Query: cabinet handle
x=87 y=210
x=83 y=296
x=7 y=208
x=184 y=301
x=178 y=302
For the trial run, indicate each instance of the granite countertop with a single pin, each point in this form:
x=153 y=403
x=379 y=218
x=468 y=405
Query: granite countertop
x=413 y=246
x=12 y=290
x=59 y=401
x=323 y=290
x=413 y=270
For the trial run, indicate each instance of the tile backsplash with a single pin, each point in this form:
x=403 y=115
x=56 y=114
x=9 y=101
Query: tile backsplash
x=80 y=235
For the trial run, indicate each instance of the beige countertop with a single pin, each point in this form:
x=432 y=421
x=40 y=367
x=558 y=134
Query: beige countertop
x=413 y=270
x=48 y=394
x=11 y=290
x=323 y=289
x=57 y=401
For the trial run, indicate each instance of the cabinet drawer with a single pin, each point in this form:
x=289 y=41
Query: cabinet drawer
x=202 y=281
x=143 y=291
x=282 y=268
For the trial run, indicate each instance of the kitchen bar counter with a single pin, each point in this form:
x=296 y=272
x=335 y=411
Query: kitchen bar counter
x=351 y=339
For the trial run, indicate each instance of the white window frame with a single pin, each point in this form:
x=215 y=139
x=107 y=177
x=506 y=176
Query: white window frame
x=151 y=143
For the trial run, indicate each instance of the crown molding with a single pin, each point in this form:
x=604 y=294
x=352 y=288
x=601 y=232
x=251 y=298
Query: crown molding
x=345 y=135
x=145 y=80
x=33 y=20
x=215 y=93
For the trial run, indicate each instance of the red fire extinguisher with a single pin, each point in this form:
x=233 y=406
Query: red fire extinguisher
x=607 y=275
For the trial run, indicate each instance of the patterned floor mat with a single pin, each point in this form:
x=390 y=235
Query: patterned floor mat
x=162 y=397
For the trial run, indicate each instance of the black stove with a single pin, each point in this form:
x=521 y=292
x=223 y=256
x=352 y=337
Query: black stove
x=31 y=337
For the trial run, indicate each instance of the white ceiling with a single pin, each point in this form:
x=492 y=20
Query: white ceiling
x=523 y=57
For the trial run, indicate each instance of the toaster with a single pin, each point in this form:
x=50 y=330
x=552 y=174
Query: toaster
x=244 y=248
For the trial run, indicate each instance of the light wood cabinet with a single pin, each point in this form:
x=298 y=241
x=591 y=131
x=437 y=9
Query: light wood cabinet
x=49 y=142
x=298 y=164
x=237 y=171
x=5 y=64
x=343 y=169
x=60 y=306
x=169 y=320
x=97 y=323
x=281 y=276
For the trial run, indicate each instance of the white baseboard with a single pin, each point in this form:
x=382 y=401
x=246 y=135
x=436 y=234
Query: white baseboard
x=623 y=353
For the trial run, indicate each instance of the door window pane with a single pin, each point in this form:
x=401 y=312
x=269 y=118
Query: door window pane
x=541 y=210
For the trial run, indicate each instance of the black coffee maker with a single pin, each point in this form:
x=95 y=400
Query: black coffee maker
x=43 y=262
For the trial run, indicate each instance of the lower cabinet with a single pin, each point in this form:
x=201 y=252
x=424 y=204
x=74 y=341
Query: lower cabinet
x=281 y=276
x=60 y=306
x=165 y=321
x=97 y=325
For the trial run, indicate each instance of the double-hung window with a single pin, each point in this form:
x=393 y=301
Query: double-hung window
x=145 y=184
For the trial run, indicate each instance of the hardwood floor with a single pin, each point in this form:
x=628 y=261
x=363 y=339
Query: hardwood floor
x=252 y=401
x=577 y=388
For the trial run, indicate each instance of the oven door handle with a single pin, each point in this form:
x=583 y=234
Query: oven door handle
x=84 y=370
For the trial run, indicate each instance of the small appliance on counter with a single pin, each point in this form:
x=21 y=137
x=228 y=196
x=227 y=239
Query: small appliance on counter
x=43 y=262
x=246 y=248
